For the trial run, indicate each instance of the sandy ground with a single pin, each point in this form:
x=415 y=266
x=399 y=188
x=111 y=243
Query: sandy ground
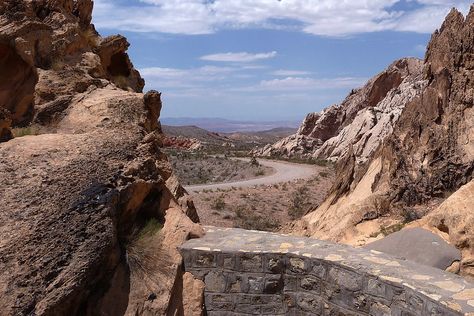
x=196 y=168
x=266 y=203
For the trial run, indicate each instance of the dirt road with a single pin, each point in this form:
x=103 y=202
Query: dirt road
x=284 y=172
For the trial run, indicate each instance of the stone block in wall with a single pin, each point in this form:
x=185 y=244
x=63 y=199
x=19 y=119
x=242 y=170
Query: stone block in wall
x=344 y=278
x=218 y=302
x=204 y=260
x=297 y=265
x=290 y=283
x=255 y=284
x=274 y=264
x=318 y=269
x=250 y=263
x=310 y=284
x=236 y=283
x=355 y=301
x=215 y=282
x=310 y=303
x=273 y=284
x=226 y=261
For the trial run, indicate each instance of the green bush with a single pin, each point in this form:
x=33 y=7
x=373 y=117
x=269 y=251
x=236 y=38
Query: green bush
x=24 y=131
x=299 y=203
x=250 y=220
x=218 y=203
x=259 y=173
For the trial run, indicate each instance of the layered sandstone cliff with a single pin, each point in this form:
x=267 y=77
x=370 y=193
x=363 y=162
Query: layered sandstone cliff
x=428 y=156
x=91 y=211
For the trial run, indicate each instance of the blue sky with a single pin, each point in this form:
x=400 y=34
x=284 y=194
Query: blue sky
x=266 y=59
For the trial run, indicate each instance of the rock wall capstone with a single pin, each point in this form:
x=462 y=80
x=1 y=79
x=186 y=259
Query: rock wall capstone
x=258 y=273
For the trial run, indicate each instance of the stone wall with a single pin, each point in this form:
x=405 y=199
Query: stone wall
x=256 y=273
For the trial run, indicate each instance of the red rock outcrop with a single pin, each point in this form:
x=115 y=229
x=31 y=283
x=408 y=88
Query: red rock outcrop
x=429 y=155
x=91 y=212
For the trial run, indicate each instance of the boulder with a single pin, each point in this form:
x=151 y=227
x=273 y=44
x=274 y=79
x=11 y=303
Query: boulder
x=418 y=245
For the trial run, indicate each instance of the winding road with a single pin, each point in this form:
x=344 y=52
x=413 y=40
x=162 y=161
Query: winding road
x=283 y=172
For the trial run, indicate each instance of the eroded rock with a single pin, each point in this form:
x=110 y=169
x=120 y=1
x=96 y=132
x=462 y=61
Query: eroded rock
x=362 y=121
x=91 y=210
x=429 y=154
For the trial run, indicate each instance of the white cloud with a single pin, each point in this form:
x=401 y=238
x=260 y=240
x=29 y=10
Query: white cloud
x=295 y=84
x=173 y=78
x=302 y=83
x=242 y=57
x=290 y=73
x=320 y=17
x=426 y=20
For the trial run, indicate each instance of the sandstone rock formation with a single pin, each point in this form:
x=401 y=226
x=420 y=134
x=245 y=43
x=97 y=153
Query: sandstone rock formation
x=429 y=154
x=91 y=211
x=361 y=121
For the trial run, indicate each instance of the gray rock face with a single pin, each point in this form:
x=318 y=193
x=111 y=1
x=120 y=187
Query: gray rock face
x=360 y=122
x=418 y=245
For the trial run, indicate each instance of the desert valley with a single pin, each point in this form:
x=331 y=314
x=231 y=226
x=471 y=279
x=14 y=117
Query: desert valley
x=366 y=208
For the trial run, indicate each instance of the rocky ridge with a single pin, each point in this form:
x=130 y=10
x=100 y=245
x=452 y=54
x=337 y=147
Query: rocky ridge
x=360 y=122
x=428 y=156
x=92 y=211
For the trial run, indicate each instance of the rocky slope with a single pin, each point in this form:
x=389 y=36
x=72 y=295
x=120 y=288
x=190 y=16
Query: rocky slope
x=91 y=210
x=360 y=122
x=428 y=156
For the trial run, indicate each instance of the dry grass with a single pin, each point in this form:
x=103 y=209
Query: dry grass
x=58 y=65
x=121 y=82
x=25 y=131
x=145 y=256
x=248 y=219
x=91 y=37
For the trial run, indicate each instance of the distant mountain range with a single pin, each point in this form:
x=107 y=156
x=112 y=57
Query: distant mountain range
x=221 y=125
x=238 y=139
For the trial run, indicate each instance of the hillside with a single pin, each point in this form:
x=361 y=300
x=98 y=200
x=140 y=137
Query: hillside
x=425 y=157
x=193 y=137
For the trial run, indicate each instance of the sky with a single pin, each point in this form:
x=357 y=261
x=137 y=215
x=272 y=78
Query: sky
x=266 y=59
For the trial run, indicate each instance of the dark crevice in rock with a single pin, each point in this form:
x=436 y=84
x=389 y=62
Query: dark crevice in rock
x=119 y=65
x=17 y=86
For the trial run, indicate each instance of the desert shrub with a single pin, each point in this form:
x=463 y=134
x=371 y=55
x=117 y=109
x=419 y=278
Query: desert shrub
x=250 y=220
x=120 y=81
x=299 y=203
x=145 y=256
x=391 y=229
x=91 y=37
x=58 y=64
x=24 y=131
x=323 y=174
x=409 y=215
x=254 y=162
x=382 y=205
x=218 y=203
x=259 y=173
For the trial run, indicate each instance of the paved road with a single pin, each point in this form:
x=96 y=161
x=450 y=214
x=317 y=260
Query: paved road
x=284 y=172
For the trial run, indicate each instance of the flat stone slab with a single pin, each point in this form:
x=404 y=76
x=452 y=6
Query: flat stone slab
x=431 y=286
x=418 y=245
